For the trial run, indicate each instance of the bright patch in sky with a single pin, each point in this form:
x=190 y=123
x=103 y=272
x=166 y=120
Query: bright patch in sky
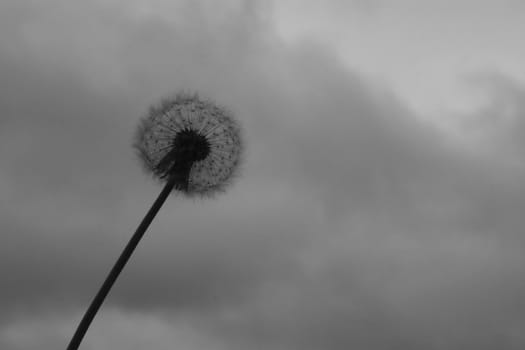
x=425 y=50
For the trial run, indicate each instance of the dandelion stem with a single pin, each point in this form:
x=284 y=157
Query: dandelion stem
x=119 y=265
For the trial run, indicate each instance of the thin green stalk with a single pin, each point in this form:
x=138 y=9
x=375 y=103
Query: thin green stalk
x=119 y=265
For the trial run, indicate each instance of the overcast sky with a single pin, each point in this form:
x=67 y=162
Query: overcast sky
x=381 y=203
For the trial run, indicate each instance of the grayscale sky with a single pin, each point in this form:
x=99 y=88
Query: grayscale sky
x=381 y=204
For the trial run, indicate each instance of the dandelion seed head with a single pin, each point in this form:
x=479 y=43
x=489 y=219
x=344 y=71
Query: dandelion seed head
x=192 y=140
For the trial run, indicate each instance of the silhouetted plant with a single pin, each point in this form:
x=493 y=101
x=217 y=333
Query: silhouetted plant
x=192 y=145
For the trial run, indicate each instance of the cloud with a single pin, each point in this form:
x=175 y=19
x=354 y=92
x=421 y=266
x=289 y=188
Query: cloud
x=355 y=223
x=497 y=126
x=116 y=330
x=67 y=133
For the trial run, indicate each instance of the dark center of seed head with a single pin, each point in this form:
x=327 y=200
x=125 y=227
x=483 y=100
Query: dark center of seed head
x=189 y=146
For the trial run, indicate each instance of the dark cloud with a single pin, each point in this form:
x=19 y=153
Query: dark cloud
x=355 y=223
x=66 y=138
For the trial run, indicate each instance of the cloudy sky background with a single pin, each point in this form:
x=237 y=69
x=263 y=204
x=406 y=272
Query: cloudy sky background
x=381 y=202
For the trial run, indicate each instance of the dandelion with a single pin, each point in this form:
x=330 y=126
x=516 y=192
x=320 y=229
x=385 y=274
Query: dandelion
x=192 y=145
x=192 y=140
